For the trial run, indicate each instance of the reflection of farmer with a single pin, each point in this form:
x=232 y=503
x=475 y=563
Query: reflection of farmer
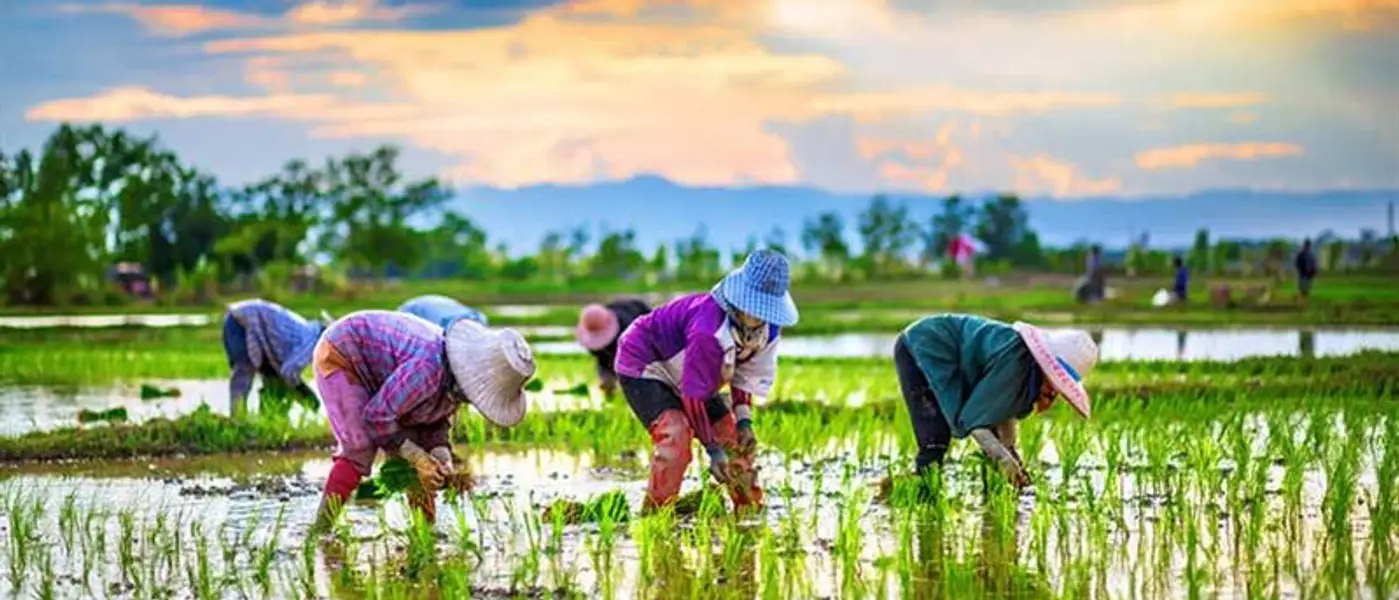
x=264 y=337
x=673 y=362
x=441 y=310
x=965 y=375
x=1306 y=269
x=598 y=329
x=393 y=382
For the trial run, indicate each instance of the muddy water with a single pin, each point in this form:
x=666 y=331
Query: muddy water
x=268 y=501
x=1121 y=344
x=139 y=320
x=27 y=408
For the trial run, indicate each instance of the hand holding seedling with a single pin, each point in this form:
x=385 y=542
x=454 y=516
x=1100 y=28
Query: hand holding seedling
x=747 y=441
x=443 y=456
x=1006 y=458
x=429 y=469
x=719 y=465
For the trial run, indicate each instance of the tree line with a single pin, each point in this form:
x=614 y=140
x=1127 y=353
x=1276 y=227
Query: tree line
x=92 y=197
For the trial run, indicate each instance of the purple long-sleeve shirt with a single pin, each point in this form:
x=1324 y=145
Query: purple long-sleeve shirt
x=401 y=361
x=687 y=344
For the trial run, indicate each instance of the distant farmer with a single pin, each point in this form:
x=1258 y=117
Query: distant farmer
x=262 y=337
x=962 y=252
x=964 y=375
x=673 y=362
x=441 y=310
x=392 y=382
x=1182 y=282
x=598 y=329
x=1306 y=269
x=1092 y=287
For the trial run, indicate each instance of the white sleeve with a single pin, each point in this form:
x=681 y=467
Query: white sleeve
x=756 y=374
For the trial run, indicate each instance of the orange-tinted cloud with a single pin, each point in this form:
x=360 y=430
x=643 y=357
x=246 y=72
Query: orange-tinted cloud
x=124 y=104
x=174 y=19
x=1243 y=117
x=1234 y=100
x=883 y=105
x=1042 y=173
x=1189 y=155
x=179 y=20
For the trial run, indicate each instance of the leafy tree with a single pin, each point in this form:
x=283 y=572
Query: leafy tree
x=617 y=256
x=1000 y=226
x=371 y=206
x=1199 y=257
x=825 y=237
x=886 y=231
x=955 y=218
x=695 y=259
x=777 y=240
x=456 y=247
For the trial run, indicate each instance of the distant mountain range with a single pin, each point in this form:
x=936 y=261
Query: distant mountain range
x=661 y=212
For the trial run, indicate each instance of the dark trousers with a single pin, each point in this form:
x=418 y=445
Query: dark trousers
x=929 y=425
x=648 y=398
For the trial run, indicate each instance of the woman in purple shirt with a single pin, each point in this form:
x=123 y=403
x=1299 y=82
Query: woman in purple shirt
x=673 y=361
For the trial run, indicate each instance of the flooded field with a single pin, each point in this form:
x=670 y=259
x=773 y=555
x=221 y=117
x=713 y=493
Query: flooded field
x=1271 y=504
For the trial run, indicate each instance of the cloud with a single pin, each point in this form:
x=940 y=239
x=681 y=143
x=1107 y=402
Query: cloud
x=175 y=20
x=883 y=105
x=180 y=20
x=1189 y=155
x=124 y=104
x=1243 y=117
x=1234 y=100
x=1042 y=173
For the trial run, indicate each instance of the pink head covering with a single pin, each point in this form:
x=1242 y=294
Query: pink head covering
x=597 y=327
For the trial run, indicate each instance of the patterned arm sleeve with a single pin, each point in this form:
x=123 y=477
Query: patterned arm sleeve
x=704 y=362
x=404 y=389
x=753 y=377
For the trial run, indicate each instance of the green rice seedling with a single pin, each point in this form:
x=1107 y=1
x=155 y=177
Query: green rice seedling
x=263 y=555
x=47 y=588
x=198 y=571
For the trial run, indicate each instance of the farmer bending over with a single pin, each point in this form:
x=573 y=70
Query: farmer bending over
x=673 y=362
x=264 y=337
x=598 y=329
x=441 y=310
x=393 y=382
x=965 y=375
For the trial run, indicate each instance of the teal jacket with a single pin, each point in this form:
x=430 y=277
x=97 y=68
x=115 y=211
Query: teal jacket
x=980 y=370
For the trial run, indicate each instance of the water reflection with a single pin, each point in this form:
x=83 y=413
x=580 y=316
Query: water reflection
x=1120 y=344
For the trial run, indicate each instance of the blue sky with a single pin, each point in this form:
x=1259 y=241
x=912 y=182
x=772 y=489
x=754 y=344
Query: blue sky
x=1047 y=98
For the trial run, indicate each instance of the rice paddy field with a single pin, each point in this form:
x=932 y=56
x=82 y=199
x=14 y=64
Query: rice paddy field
x=124 y=473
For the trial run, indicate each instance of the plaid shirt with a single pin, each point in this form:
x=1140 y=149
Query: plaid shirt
x=401 y=361
x=277 y=338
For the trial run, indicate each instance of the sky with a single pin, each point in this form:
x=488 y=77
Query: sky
x=1061 y=98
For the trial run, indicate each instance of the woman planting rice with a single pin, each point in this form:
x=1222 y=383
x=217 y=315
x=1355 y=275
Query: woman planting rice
x=441 y=310
x=966 y=375
x=393 y=382
x=264 y=337
x=598 y=329
x=673 y=362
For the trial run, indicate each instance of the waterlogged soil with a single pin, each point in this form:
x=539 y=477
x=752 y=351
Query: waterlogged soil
x=29 y=408
x=838 y=541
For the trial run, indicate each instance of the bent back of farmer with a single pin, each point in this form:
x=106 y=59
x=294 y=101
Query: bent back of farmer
x=264 y=337
x=393 y=382
x=600 y=326
x=441 y=310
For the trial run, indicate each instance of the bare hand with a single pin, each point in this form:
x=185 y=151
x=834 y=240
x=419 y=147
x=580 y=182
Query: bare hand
x=446 y=463
x=747 y=441
x=720 y=469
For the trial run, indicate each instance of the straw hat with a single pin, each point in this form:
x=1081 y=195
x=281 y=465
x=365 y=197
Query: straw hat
x=597 y=327
x=1065 y=357
x=759 y=288
x=490 y=368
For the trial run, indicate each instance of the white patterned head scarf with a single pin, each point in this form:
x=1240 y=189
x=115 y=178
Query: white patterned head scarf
x=749 y=340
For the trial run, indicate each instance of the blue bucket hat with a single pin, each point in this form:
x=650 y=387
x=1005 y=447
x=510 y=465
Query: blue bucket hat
x=759 y=288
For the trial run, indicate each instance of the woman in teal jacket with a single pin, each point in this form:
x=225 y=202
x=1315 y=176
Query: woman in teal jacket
x=964 y=375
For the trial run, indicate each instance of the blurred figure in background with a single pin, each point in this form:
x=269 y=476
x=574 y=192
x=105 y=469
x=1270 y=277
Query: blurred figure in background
x=441 y=310
x=262 y=337
x=1306 y=269
x=1181 y=288
x=599 y=327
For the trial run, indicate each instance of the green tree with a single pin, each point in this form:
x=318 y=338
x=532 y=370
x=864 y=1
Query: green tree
x=617 y=256
x=371 y=208
x=456 y=247
x=1002 y=226
x=886 y=232
x=825 y=237
x=695 y=259
x=955 y=218
x=1199 y=257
